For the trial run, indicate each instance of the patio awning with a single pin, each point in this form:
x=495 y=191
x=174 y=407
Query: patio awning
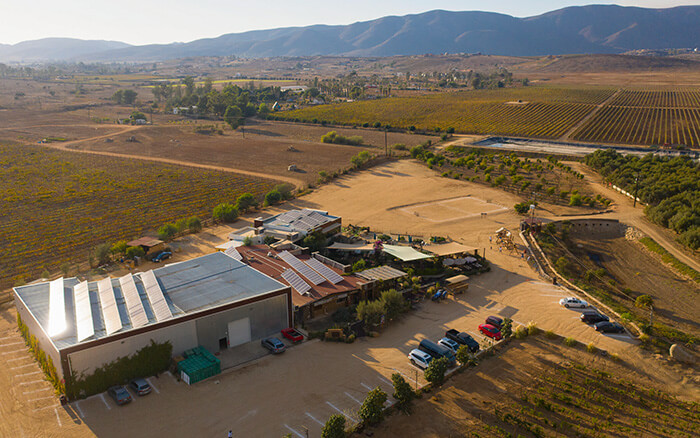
x=405 y=253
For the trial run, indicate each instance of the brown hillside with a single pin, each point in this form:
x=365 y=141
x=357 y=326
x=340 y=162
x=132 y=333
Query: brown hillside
x=607 y=63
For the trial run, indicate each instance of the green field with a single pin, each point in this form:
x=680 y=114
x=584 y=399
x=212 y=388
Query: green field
x=58 y=205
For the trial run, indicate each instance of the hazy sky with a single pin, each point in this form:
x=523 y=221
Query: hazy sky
x=164 y=21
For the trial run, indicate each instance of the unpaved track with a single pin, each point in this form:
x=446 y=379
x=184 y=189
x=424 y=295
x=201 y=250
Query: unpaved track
x=589 y=116
x=66 y=146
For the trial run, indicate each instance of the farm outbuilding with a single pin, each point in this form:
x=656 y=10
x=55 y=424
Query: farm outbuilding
x=213 y=301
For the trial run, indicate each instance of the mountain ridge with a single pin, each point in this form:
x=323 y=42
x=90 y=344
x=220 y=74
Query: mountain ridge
x=577 y=29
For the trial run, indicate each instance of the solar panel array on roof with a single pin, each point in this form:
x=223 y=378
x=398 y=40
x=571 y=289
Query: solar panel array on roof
x=57 y=308
x=137 y=314
x=301 y=267
x=83 y=311
x=110 y=312
x=305 y=220
x=231 y=252
x=324 y=270
x=296 y=282
x=155 y=296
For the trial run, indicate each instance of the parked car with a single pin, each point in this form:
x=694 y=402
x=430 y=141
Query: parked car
x=490 y=331
x=140 y=386
x=273 y=344
x=449 y=343
x=593 y=317
x=463 y=339
x=608 y=327
x=293 y=335
x=119 y=394
x=573 y=302
x=419 y=358
x=495 y=321
x=161 y=256
x=437 y=350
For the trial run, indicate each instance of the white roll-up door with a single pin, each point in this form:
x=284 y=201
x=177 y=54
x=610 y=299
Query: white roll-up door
x=238 y=332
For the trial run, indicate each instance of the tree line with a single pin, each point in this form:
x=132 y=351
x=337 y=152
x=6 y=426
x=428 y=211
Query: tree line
x=669 y=186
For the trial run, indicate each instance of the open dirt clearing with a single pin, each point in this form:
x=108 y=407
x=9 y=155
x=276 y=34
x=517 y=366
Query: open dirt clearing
x=540 y=383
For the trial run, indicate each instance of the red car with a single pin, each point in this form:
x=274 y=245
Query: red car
x=490 y=331
x=292 y=335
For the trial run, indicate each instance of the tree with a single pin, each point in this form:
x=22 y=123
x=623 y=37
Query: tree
x=272 y=197
x=129 y=96
x=225 y=212
x=194 y=224
x=314 y=241
x=102 y=253
x=334 y=427
x=393 y=303
x=402 y=392
x=435 y=373
x=263 y=109
x=563 y=265
x=134 y=251
x=245 y=201
x=119 y=247
x=370 y=312
x=285 y=190
x=646 y=302
x=233 y=116
x=167 y=231
x=507 y=328
x=464 y=355
x=372 y=408
x=189 y=85
x=359 y=265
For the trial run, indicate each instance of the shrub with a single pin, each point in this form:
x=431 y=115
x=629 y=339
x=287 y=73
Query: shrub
x=247 y=241
x=435 y=373
x=399 y=147
x=520 y=332
x=167 y=231
x=102 y=253
x=225 y=212
x=285 y=190
x=134 y=251
x=119 y=248
x=194 y=225
x=359 y=265
x=522 y=207
x=360 y=159
x=372 y=408
x=575 y=200
x=370 y=312
x=335 y=138
x=550 y=334
x=532 y=329
x=393 y=303
x=591 y=348
x=402 y=392
x=570 y=342
x=334 y=427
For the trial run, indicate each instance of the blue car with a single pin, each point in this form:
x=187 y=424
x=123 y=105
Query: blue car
x=162 y=256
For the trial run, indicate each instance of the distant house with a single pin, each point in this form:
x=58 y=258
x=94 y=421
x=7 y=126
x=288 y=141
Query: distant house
x=148 y=244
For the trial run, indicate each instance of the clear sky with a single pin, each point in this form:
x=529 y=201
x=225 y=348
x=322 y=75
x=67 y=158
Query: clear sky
x=164 y=21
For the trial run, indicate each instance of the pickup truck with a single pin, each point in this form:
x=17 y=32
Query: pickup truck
x=463 y=339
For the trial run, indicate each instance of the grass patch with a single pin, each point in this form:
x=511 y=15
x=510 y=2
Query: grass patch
x=570 y=342
x=670 y=259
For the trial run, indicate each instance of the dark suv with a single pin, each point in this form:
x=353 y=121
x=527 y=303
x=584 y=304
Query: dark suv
x=593 y=317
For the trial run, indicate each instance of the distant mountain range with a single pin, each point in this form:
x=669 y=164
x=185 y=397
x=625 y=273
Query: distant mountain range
x=585 y=29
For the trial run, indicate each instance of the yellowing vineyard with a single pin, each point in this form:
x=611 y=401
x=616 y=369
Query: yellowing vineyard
x=647 y=118
x=529 y=112
x=644 y=117
x=58 y=205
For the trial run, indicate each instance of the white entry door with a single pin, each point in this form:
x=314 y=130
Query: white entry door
x=238 y=332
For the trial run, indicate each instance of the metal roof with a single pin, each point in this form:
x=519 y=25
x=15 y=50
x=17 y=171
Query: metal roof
x=381 y=273
x=187 y=287
x=300 y=221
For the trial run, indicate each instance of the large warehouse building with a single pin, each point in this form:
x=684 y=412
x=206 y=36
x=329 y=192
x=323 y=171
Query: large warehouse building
x=212 y=301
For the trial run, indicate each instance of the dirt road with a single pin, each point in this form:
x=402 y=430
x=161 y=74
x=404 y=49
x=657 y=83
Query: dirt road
x=67 y=146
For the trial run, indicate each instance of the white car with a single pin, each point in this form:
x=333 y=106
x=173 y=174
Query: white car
x=419 y=358
x=449 y=343
x=572 y=302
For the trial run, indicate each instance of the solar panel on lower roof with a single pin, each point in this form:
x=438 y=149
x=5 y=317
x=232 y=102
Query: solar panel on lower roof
x=301 y=267
x=57 y=308
x=296 y=282
x=83 y=311
x=324 y=270
x=155 y=296
x=233 y=253
x=110 y=312
x=133 y=301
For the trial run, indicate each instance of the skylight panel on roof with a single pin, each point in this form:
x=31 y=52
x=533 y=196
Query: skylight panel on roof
x=83 y=311
x=110 y=312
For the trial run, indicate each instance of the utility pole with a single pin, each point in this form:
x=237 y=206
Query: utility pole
x=386 y=148
x=636 y=187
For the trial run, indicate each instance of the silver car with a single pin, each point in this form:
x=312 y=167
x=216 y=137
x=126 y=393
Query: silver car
x=573 y=302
